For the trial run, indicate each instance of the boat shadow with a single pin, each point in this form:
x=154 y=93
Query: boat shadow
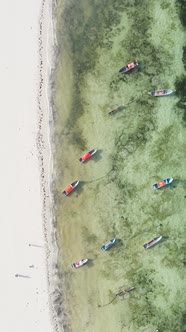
x=90 y=262
x=118 y=243
x=124 y=76
x=79 y=188
x=117 y=110
x=141 y=66
x=174 y=183
x=98 y=156
x=164 y=238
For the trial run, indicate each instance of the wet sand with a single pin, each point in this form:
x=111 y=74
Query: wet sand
x=139 y=145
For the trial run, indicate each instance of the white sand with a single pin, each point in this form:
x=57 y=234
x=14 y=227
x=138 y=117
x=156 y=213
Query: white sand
x=23 y=301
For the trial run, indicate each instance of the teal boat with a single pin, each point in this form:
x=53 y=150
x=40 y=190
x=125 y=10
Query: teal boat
x=108 y=244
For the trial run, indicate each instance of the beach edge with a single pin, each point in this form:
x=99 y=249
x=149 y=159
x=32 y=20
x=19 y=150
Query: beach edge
x=47 y=57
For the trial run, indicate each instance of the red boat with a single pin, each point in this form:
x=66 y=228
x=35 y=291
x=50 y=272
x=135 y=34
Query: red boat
x=80 y=263
x=129 y=67
x=152 y=242
x=87 y=155
x=70 y=188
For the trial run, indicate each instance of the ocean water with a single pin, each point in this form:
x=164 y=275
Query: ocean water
x=142 y=143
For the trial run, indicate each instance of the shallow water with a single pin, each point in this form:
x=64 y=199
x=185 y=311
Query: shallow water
x=137 y=146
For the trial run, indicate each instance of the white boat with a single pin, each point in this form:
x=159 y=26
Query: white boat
x=160 y=93
x=79 y=263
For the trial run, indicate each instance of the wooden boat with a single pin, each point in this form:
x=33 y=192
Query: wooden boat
x=70 y=188
x=80 y=263
x=162 y=183
x=128 y=67
x=152 y=242
x=87 y=155
x=159 y=93
x=116 y=109
x=108 y=244
x=128 y=290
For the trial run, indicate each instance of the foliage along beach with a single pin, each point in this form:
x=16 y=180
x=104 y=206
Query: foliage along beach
x=140 y=144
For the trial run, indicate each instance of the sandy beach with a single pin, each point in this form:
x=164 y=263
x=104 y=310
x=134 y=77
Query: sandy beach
x=24 y=249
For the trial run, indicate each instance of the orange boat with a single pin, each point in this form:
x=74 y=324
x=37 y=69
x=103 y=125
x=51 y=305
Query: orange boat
x=128 y=67
x=87 y=155
x=70 y=188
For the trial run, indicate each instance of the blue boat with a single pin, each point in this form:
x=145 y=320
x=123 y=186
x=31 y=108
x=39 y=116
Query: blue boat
x=108 y=244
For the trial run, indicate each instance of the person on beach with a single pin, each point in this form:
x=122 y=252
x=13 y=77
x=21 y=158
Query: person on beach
x=22 y=276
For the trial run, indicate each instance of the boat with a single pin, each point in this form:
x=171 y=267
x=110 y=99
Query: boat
x=80 y=263
x=128 y=67
x=159 y=93
x=162 y=183
x=108 y=244
x=87 y=155
x=128 y=290
x=116 y=109
x=152 y=242
x=70 y=188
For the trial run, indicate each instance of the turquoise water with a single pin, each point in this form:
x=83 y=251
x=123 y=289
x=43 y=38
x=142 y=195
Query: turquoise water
x=139 y=145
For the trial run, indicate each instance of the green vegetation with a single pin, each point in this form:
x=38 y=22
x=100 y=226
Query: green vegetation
x=139 y=145
x=181 y=4
x=180 y=85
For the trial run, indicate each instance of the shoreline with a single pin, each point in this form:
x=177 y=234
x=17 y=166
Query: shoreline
x=47 y=45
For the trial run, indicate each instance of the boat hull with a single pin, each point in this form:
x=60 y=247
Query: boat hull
x=80 y=263
x=162 y=183
x=87 y=155
x=70 y=188
x=160 y=93
x=108 y=244
x=129 y=67
x=152 y=242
